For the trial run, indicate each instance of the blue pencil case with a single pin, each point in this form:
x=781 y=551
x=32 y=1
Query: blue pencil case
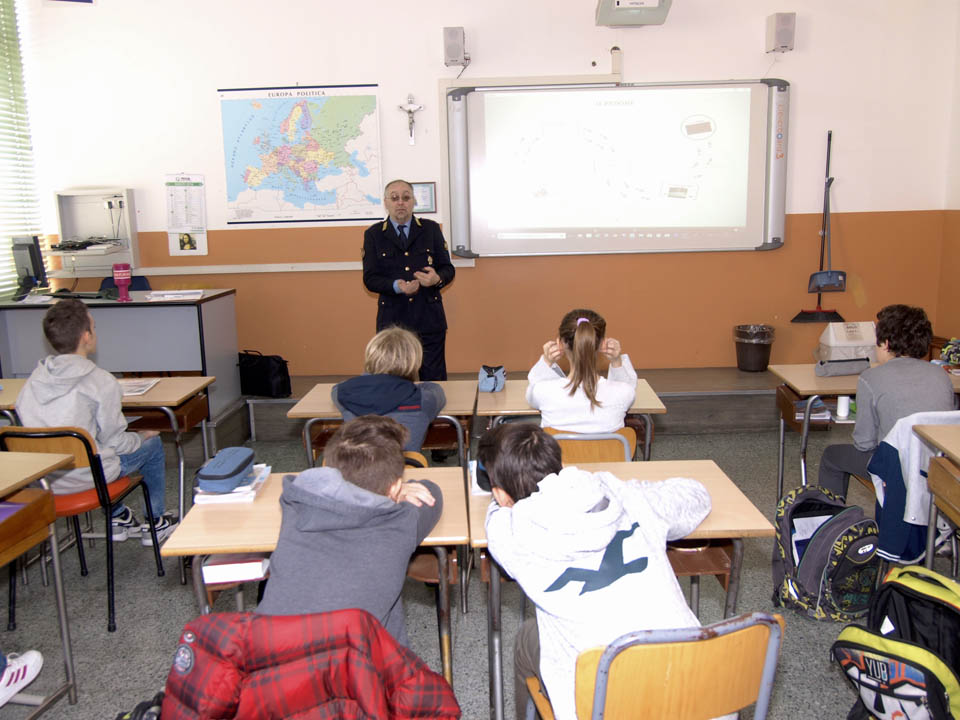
x=225 y=471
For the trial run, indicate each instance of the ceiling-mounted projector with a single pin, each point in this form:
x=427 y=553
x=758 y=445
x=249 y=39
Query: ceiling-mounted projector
x=624 y=13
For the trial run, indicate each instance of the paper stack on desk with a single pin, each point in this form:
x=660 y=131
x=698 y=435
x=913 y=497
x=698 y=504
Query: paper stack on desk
x=160 y=295
x=242 y=493
x=136 y=386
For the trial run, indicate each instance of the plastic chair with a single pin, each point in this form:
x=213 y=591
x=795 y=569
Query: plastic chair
x=137 y=282
x=575 y=448
x=680 y=674
x=77 y=442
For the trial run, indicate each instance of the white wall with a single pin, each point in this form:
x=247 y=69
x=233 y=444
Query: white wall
x=953 y=138
x=124 y=91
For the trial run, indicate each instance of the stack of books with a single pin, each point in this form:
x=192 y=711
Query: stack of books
x=242 y=493
x=818 y=411
x=235 y=567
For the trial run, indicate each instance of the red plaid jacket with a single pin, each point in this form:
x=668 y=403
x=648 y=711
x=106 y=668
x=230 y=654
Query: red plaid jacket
x=340 y=664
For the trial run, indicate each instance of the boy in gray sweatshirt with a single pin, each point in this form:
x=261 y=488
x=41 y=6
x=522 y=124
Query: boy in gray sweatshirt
x=68 y=389
x=349 y=528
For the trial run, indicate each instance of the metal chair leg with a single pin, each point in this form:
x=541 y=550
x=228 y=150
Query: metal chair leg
x=111 y=609
x=12 y=598
x=76 y=532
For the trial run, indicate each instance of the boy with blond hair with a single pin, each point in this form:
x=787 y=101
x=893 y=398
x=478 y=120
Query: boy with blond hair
x=388 y=386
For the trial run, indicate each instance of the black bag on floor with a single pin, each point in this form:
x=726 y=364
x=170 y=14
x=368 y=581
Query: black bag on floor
x=265 y=375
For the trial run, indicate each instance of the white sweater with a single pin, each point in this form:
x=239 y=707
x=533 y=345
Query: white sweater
x=590 y=551
x=548 y=393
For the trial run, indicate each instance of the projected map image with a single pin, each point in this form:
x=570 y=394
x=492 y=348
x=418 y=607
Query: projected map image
x=658 y=159
x=301 y=154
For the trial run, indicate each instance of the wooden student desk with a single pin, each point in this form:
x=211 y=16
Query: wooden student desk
x=512 y=401
x=317 y=405
x=9 y=389
x=942 y=480
x=175 y=403
x=732 y=517
x=945 y=438
x=254 y=527
x=807 y=384
x=22 y=531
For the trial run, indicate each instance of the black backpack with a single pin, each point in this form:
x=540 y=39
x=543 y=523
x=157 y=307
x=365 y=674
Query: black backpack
x=905 y=663
x=825 y=561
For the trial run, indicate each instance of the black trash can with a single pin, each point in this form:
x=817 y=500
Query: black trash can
x=753 y=346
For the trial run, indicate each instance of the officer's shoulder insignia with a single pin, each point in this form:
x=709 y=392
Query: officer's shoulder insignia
x=384 y=226
x=445 y=246
x=417 y=221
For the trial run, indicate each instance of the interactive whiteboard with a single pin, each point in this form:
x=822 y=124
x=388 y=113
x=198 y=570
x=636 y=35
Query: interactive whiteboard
x=626 y=168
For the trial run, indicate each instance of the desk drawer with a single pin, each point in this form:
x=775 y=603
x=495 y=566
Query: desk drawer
x=28 y=526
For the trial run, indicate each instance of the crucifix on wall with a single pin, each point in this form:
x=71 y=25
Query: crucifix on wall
x=409 y=107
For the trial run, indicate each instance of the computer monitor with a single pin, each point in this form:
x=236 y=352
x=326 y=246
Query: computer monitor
x=29 y=263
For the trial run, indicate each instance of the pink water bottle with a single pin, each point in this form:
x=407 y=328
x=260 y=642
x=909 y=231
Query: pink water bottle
x=121 y=276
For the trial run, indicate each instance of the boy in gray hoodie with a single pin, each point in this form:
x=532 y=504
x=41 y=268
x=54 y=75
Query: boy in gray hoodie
x=68 y=389
x=349 y=528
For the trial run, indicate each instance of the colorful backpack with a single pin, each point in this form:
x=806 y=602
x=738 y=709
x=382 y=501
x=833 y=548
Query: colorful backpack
x=904 y=663
x=825 y=560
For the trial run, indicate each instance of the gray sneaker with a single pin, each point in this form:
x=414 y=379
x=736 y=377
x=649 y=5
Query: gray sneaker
x=165 y=525
x=124 y=524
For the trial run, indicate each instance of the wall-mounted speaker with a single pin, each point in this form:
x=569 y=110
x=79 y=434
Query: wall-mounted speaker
x=781 y=28
x=453 y=47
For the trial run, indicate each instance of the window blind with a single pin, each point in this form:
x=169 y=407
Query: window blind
x=19 y=207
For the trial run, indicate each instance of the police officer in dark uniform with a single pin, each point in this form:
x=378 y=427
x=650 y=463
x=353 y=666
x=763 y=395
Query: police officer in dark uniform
x=405 y=261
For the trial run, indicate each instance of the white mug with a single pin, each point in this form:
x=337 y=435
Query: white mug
x=843 y=406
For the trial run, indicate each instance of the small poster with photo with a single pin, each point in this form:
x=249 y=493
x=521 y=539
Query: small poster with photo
x=426 y=196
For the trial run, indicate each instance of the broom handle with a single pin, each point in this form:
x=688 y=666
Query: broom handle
x=825 y=222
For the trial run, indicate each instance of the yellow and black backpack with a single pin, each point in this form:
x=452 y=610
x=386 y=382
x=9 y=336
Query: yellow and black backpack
x=904 y=664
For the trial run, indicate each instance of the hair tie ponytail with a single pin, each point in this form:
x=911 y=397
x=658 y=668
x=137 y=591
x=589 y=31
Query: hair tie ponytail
x=582 y=320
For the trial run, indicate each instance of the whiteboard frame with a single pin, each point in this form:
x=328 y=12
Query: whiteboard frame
x=457 y=166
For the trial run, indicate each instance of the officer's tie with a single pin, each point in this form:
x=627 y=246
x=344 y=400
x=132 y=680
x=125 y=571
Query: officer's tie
x=403 y=237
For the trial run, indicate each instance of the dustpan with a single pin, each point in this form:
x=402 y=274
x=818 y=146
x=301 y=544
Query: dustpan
x=828 y=280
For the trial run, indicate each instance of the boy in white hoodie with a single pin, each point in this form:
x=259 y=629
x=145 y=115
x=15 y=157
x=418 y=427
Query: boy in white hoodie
x=68 y=389
x=587 y=548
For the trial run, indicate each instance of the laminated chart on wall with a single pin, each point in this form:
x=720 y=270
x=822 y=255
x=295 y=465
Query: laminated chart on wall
x=301 y=154
x=186 y=214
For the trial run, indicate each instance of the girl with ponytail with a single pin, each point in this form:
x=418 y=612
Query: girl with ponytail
x=582 y=400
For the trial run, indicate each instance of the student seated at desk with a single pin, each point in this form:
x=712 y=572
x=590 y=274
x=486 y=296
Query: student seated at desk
x=349 y=528
x=391 y=364
x=587 y=548
x=902 y=384
x=68 y=389
x=582 y=401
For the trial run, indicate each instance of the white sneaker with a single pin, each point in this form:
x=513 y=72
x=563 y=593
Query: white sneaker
x=124 y=524
x=165 y=525
x=20 y=672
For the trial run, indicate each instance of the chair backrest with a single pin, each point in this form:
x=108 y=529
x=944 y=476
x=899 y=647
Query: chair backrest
x=618 y=446
x=943 y=478
x=412 y=458
x=68 y=440
x=683 y=673
x=137 y=282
